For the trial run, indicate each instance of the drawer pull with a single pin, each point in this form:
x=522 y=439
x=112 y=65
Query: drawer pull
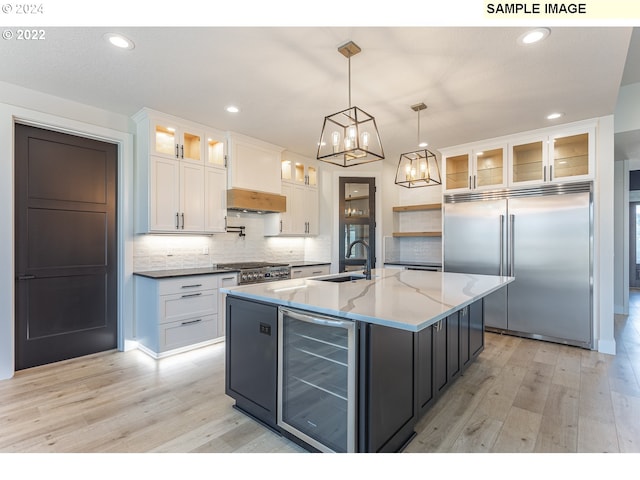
x=192 y=286
x=190 y=322
x=317 y=271
x=192 y=295
x=228 y=278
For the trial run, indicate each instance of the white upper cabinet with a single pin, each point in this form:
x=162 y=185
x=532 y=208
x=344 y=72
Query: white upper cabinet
x=572 y=155
x=483 y=167
x=180 y=175
x=214 y=150
x=555 y=155
x=299 y=170
x=566 y=155
x=253 y=164
x=300 y=185
x=172 y=139
x=528 y=161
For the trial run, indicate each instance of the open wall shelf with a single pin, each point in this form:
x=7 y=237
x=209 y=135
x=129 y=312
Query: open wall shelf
x=416 y=208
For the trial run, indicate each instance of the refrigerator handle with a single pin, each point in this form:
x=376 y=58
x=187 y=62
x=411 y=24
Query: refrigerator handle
x=512 y=221
x=501 y=245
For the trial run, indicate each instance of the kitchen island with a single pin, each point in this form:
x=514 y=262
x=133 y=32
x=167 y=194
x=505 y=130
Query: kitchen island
x=342 y=363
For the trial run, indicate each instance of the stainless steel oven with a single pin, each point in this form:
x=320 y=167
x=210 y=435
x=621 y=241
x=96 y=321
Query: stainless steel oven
x=317 y=379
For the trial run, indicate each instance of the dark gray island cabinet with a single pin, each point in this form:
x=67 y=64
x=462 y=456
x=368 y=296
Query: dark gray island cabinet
x=334 y=381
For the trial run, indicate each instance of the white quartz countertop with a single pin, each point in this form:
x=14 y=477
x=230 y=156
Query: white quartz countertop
x=406 y=299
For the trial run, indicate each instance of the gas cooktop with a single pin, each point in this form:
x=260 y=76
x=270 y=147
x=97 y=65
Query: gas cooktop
x=257 y=272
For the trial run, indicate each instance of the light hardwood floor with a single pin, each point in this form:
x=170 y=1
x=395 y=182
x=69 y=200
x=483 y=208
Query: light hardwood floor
x=519 y=396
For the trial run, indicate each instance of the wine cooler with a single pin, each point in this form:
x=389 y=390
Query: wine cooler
x=316 y=379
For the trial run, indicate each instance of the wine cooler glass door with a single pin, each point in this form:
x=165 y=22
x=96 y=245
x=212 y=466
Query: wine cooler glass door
x=316 y=379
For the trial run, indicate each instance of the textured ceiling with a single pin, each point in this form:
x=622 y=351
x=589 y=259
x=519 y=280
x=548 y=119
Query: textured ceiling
x=477 y=82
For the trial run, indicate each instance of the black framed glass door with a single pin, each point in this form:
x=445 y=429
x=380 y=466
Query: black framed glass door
x=357 y=222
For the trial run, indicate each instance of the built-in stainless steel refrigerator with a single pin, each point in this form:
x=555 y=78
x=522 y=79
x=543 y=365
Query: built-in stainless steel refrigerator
x=542 y=236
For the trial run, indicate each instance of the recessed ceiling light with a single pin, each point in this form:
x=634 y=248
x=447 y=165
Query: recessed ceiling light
x=533 y=36
x=553 y=116
x=232 y=109
x=120 y=41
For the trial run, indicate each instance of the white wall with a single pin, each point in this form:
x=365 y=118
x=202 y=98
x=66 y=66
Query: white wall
x=626 y=119
x=627 y=113
x=621 y=238
x=20 y=104
x=604 y=238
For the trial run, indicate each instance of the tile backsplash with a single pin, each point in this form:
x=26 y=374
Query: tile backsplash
x=160 y=252
x=413 y=249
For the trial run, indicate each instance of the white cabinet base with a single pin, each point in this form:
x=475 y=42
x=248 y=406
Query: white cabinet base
x=175 y=351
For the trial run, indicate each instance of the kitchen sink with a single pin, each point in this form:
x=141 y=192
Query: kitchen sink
x=342 y=278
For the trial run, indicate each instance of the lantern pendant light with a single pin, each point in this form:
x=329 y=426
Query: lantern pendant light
x=420 y=167
x=349 y=137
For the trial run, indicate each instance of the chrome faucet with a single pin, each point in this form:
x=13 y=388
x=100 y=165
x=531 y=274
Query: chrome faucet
x=367 y=267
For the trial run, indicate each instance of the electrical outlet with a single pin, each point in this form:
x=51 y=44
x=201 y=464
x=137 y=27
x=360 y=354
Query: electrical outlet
x=205 y=250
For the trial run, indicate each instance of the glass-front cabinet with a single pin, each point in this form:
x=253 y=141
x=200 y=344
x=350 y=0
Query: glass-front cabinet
x=215 y=150
x=475 y=169
x=300 y=171
x=529 y=162
x=172 y=140
x=490 y=168
x=457 y=175
x=571 y=156
x=564 y=156
x=561 y=155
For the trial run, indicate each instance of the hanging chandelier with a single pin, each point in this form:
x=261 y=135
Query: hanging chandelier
x=349 y=137
x=420 y=167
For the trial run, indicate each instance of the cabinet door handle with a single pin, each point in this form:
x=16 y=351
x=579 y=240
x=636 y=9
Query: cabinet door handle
x=177 y=151
x=469 y=182
x=474 y=182
x=551 y=173
x=280 y=226
x=191 y=322
x=501 y=248
x=192 y=295
x=544 y=173
x=181 y=151
x=192 y=286
x=512 y=268
x=26 y=277
x=183 y=221
x=177 y=220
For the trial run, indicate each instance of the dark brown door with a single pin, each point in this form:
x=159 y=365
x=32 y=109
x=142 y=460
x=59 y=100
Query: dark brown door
x=65 y=227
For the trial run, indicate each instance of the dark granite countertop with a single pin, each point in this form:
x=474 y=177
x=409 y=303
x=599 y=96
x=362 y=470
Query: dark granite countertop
x=183 y=272
x=307 y=263
x=415 y=264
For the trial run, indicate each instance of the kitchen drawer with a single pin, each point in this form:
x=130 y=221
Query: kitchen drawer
x=187 y=284
x=187 y=332
x=188 y=305
x=310 y=271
